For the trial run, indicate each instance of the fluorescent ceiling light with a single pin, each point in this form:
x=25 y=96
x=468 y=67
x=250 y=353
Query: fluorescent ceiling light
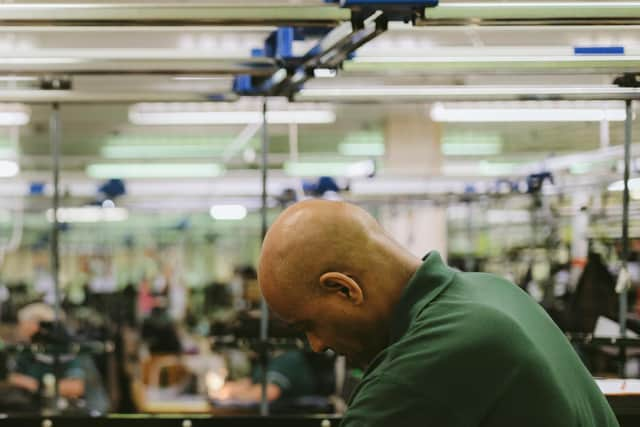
x=18 y=79
x=153 y=170
x=88 y=214
x=13 y=115
x=361 y=149
x=158 y=151
x=471 y=149
x=168 y=114
x=453 y=91
x=8 y=169
x=634 y=185
x=467 y=113
x=228 y=212
x=350 y=169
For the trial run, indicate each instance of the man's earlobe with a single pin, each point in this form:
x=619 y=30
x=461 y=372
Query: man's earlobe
x=344 y=284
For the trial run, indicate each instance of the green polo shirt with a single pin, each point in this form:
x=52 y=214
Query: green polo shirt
x=472 y=349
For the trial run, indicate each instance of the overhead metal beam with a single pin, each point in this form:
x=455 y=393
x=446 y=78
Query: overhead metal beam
x=497 y=64
x=534 y=13
x=382 y=94
x=134 y=61
x=122 y=14
x=36 y=96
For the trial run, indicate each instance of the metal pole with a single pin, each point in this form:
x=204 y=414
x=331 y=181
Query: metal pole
x=625 y=231
x=264 y=318
x=54 y=135
x=54 y=129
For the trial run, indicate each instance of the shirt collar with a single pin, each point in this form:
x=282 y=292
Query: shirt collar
x=431 y=278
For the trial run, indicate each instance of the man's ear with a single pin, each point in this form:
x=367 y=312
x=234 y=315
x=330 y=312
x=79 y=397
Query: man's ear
x=345 y=285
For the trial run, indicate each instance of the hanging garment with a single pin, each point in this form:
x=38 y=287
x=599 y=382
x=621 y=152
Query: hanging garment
x=594 y=296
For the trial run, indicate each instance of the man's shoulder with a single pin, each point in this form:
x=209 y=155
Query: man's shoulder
x=439 y=337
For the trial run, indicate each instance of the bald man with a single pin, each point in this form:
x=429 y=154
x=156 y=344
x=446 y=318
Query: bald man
x=441 y=347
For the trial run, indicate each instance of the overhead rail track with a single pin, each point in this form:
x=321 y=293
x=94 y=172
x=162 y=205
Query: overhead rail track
x=178 y=14
x=502 y=13
x=451 y=14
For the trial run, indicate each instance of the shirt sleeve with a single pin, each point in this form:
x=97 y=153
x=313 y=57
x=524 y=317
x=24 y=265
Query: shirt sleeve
x=74 y=370
x=382 y=402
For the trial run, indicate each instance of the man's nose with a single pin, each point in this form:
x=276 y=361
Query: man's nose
x=316 y=343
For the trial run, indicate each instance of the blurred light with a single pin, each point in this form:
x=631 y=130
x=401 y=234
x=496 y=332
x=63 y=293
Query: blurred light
x=471 y=149
x=634 y=185
x=108 y=204
x=13 y=115
x=8 y=169
x=153 y=170
x=323 y=73
x=361 y=149
x=214 y=381
x=170 y=114
x=314 y=169
x=249 y=155
x=228 y=212
x=158 y=151
x=89 y=214
x=467 y=113
x=18 y=79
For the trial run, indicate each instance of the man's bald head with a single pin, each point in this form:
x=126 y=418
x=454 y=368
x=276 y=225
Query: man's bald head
x=312 y=237
x=332 y=256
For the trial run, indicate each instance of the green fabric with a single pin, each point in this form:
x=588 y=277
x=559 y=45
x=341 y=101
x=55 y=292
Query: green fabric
x=292 y=373
x=472 y=349
x=31 y=365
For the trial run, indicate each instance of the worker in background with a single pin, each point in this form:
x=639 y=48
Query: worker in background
x=30 y=369
x=441 y=347
x=289 y=377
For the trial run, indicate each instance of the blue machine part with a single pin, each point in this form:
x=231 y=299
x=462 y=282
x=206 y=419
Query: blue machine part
x=536 y=180
x=321 y=186
x=36 y=188
x=295 y=70
x=279 y=44
x=598 y=50
x=113 y=188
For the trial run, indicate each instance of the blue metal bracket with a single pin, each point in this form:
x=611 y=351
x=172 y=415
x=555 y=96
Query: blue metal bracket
x=330 y=52
x=369 y=18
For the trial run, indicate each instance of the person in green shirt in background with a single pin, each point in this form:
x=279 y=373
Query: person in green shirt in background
x=441 y=347
x=30 y=369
